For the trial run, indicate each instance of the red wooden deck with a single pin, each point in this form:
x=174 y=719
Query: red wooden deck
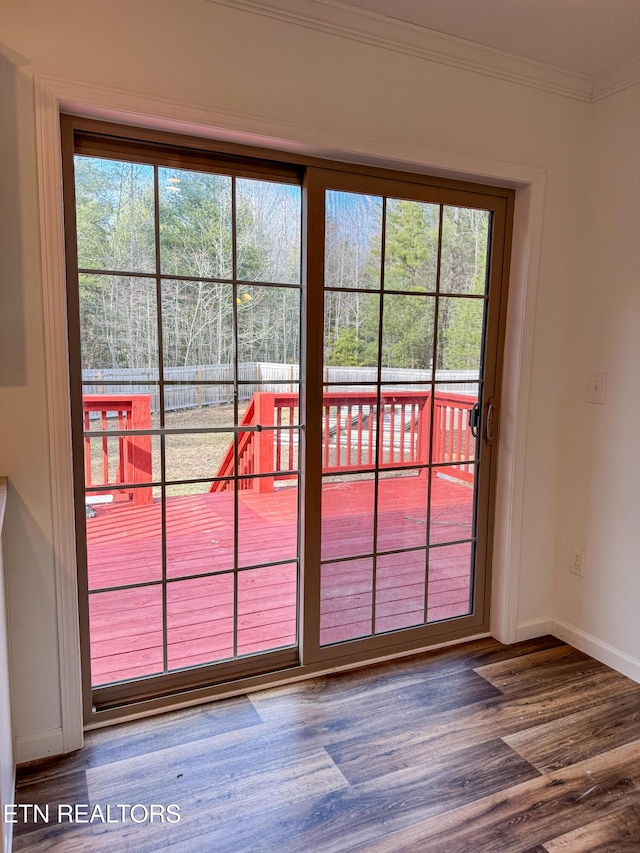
x=125 y=547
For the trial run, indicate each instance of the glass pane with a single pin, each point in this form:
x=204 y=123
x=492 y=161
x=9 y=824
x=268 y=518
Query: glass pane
x=411 y=245
x=120 y=407
x=465 y=238
x=404 y=423
x=268 y=451
x=266 y=374
x=286 y=402
x=117 y=460
x=268 y=219
x=400 y=583
x=195 y=223
x=351 y=324
x=267 y=520
x=114 y=215
x=411 y=377
x=458 y=381
x=347 y=515
x=271 y=407
x=402 y=509
x=268 y=325
x=346 y=600
x=200 y=528
x=407 y=332
x=198 y=455
x=460 y=326
x=118 y=326
x=124 y=539
x=198 y=405
x=449 y=588
x=353 y=239
x=130 y=459
x=452 y=439
x=267 y=608
x=197 y=329
x=349 y=428
x=199 y=621
x=125 y=627
x=452 y=500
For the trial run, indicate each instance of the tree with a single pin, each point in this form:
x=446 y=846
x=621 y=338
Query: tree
x=205 y=218
x=198 y=235
x=411 y=245
x=464 y=262
x=114 y=216
x=410 y=265
x=462 y=339
x=407 y=339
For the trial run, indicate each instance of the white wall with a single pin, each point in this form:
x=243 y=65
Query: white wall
x=220 y=58
x=601 y=474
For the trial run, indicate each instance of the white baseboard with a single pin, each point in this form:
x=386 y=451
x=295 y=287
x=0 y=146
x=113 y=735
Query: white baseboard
x=534 y=628
x=598 y=649
x=38 y=745
x=587 y=643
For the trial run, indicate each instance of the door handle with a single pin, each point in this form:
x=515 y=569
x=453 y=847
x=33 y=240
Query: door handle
x=474 y=419
x=490 y=429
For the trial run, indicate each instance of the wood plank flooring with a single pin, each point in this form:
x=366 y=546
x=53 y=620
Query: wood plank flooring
x=477 y=748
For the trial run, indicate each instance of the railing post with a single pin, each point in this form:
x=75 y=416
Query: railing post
x=263 y=441
x=88 y=473
x=139 y=449
x=424 y=428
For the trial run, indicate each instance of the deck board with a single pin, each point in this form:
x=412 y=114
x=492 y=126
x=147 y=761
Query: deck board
x=124 y=547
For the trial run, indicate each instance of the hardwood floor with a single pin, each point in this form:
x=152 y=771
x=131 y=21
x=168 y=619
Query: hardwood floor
x=478 y=748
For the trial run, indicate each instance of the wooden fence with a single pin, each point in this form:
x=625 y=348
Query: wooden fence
x=212 y=384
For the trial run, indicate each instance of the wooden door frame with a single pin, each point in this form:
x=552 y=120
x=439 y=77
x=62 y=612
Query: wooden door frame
x=54 y=96
x=103 y=139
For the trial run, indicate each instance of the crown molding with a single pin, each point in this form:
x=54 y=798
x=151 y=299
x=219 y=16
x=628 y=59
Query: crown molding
x=621 y=78
x=153 y=111
x=336 y=18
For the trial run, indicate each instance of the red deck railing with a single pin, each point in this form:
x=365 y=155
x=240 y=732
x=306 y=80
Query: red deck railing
x=133 y=462
x=452 y=437
x=349 y=423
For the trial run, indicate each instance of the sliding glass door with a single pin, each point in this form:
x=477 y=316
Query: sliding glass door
x=188 y=301
x=282 y=381
x=403 y=413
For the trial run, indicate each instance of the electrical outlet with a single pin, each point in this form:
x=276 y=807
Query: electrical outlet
x=577 y=562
